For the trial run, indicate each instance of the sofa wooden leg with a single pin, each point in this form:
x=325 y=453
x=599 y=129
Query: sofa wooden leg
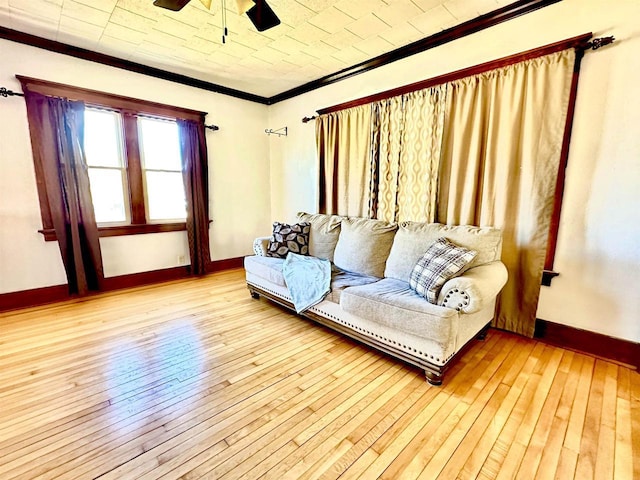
x=434 y=378
x=483 y=333
x=255 y=295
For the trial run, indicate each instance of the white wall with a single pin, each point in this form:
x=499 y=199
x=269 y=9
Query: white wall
x=598 y=253
x=256 y=179
x=238 y=173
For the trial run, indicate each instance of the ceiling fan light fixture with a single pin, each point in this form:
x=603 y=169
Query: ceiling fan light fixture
x=206 y=3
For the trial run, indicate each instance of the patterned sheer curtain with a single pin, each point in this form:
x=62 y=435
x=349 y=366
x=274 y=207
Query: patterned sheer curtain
x=499 y=167
x=407 y=142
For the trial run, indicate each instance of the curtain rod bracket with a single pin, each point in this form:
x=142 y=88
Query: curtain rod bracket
x=9 y=93
x=281 y=132
x=308 y=119
x=597 y=43
x=212 y=127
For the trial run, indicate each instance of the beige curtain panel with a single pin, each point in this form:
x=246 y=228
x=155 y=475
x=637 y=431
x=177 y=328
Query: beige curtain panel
x=483 y=150
x=343 y=140
x=407 y=134
x=499 y=166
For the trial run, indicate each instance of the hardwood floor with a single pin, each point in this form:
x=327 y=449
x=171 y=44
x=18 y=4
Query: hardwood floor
x=194 y=379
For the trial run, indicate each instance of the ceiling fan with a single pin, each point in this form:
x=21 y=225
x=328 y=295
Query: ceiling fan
x=260 y=14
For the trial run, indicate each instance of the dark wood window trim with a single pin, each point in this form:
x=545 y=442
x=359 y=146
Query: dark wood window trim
x=580 y=43
x=119 y=230
x=130 y=109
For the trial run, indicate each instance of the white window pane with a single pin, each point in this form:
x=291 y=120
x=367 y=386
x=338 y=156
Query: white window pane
x=160 y=144
x=102 y=138
x=165 y=196
x=107 y=194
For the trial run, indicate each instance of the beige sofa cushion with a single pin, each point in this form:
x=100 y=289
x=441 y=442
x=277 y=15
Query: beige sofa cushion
x=363 y=245
x=392 y=303
x=413 y=239
x=325 y=230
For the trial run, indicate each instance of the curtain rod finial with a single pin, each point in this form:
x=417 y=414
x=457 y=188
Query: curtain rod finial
x=9 y=93
x=308 y=119
x=597 y=43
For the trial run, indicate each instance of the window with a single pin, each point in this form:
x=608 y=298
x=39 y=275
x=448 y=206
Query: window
x=132 y=149
x=162 y=166
x=104 y=150
x=156 y=147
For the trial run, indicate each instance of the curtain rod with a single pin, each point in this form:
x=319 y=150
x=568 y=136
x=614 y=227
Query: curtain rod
x=4 y=92
x=581 y=42
x=9 y=93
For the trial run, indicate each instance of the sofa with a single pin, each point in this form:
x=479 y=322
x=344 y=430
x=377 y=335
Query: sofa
x=371 y=298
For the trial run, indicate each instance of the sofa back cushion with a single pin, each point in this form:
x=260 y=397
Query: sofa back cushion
x=325 y=230
x=414 y=239
x=363 y=245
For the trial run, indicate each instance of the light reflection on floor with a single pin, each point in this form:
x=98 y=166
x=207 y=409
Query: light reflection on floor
x=158 y=373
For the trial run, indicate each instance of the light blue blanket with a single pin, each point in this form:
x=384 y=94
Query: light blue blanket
x=308 y=280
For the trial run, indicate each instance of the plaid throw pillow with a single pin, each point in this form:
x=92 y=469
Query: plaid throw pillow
x=289 y=238
x=442 y=261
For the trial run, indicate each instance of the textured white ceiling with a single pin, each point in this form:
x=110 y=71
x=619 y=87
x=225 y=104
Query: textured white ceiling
x=316 y=37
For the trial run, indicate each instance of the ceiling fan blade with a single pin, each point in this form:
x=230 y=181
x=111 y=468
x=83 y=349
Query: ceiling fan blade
x=262 y=16
x=174 y=5
x=244 y=5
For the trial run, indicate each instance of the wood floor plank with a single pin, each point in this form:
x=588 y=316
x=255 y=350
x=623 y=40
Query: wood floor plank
x=591 y=430
x=195 y=379
x=634 y=378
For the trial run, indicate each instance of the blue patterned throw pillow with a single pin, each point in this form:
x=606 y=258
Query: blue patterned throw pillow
x=442 y=261
x=289 y=238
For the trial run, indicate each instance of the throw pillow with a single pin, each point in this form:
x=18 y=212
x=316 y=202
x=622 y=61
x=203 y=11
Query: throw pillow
x=414 y=238
x=363 y=246
x=325 y=230
x=289 y=238
x=442 y=261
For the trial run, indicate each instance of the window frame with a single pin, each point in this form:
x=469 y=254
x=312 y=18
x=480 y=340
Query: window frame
x=130 y=109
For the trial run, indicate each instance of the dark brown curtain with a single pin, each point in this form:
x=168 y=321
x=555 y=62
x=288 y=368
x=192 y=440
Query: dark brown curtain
x=57 y=132
x=196 y=185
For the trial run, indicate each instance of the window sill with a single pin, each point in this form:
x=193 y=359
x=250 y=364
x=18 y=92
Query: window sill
x=120 y=230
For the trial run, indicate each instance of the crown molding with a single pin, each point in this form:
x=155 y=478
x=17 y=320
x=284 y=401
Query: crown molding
x=469 y=27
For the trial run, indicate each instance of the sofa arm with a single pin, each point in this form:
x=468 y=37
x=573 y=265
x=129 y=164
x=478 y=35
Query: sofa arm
x=474 y=289
x=261 y=246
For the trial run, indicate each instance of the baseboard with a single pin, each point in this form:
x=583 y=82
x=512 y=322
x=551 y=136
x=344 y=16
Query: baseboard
x=33 y=297
x=57 y=293
x=226 y=264
x=144 y=278
x=597 y=344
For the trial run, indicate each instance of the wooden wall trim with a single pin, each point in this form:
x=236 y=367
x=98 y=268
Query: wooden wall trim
x=574 y=42
x=597 y=344
x=554 y=227
x=77 y=52
x=108 y=100
x=33 y=297
x=58 y=293
x=226 y=264
x=503 y=14
x=145 y=278
x=474 y=25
